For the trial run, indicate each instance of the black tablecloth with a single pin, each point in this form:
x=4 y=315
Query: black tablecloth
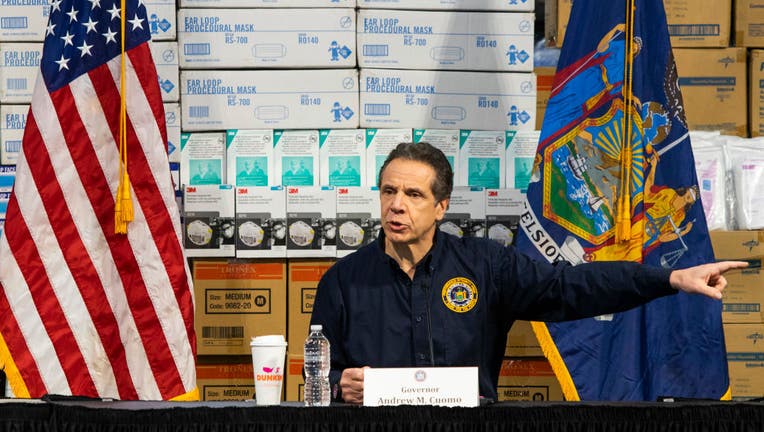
x=17 y=415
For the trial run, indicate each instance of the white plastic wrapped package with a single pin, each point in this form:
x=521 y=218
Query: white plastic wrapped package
x=301 y=233
x=251 y=234
x=449 y=227
x=351 y=234
x=500 y=233
x=746 y=163
x=711 y=170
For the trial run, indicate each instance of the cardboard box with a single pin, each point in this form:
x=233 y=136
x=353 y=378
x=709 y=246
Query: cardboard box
x=13 y=120
x=260 y=222
x=311 y=221
x=749 y=23
x=744 y=295
x=249 y=157
x=445 y=40
x=225 y=382
x=544 y=82
x=297 y=157
x=465 y=216
x=483 y=158
x=162 y=19
x=303 y=280
x=262 y=99
x=268 y=3
x=24 y=21
x=165 y=55
x=497 y=5
x=342 y=153
x=379 y=143
x=502 y=214
x=209 y=224
x=745 y=359
x=358 y=218
x=19 y=66
x=394 y=98
x=521 y=152
x=295 y=381
x=235 y=301
x=202 y=158
x=267 y=38
x=756 y=92
x=522 y=342
x=691 y=23
x=447 y=141
x=529 y=380
x=714 y=89
x=172 y=121
x=7 y=177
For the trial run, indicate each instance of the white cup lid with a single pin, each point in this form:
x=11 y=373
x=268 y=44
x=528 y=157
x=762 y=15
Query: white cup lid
x=270 y=340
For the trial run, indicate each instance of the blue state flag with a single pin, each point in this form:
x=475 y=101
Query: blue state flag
x=614 y=179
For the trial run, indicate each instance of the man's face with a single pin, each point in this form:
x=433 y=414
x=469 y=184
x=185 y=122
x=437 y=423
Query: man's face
x=409 y=208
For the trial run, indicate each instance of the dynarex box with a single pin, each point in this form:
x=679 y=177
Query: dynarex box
x=208 y=221
x=260 y=222
x=498 y=5
x=270 y=38
x=343 y=157
x=446 y=140
x=165 y=56
x=447 y=100
x=249 y=157
x=482 y=157
x=162 y=23
x=269 y=3
x=503 y=208
x=521 y=151
x=7 y=177
x=13 y=120
x=19 y=65
x=202 y=159
x=311 y=221
x=358 y=218
x=288 y=99
x=487 y=41
x=172 y=120
x=466 y=213
x=296 y=155
x=23 y=20
x=379 y=143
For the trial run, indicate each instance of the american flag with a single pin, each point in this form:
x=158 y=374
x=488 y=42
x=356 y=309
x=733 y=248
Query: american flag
x=86 y=311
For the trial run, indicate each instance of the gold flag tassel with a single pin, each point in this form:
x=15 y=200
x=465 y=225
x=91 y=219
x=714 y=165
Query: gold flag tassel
x=623 y=218
x=123 y=203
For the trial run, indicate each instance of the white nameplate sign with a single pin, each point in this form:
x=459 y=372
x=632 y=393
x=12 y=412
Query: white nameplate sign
x=445 y=386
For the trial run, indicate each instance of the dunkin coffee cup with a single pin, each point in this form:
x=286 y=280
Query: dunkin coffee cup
x=268 y=354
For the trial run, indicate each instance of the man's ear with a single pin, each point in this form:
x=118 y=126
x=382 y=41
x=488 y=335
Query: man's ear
x=440 y=208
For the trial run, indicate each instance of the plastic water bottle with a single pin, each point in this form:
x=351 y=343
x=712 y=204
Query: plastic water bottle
x=317 y=363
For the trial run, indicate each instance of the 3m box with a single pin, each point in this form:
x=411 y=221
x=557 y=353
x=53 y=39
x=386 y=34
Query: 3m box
x=267 y=38
x=521 y=151
x=296 y=154
x=249 y=157
x=447 y=100
x=749 y=23
x=172 y=121
x=503 y=208
x=445 y=140
x=756 y=92
x=19 y=66
x=283 y=99
x=260 y=222
x=236 y=301
x=303 y=280
x=379 y=143
x=162 y=19
x=497 y=5
x=744 y=295
x=268 y=3
x=295 y=381
x=208 y=221
x=23 y=20
x=165 y=56
x=358 y=218
x=691 y=23
x=13 y=120
x=202 y=158
x=342 y=153
x=311 y=222
x=714 y=89
x=445 y=40
x=482 y=157
x=465 y=216
x=528 y=380
x=522 y=342
x=745 y=359
x=225 y=382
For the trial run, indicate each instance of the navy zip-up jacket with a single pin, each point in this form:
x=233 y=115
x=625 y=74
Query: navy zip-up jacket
x=465 y=295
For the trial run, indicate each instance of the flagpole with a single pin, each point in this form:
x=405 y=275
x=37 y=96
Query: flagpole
x=623 y=221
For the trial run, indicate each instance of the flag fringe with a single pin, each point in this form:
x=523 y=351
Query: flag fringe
x=555 y=359
x=192 y=396
x=12 y=373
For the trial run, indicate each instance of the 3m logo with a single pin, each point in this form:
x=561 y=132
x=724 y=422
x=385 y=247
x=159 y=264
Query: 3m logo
x=242 y=191
x=190 y=189
x=493 y=193
x=343 y=191
x=293 y=190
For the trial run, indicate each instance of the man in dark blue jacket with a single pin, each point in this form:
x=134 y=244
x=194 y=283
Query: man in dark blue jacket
x=420 y=297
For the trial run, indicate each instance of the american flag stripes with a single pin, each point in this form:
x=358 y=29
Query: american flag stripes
x=86 y=311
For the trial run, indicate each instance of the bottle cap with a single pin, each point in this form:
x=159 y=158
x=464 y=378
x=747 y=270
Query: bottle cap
x=316 y=327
